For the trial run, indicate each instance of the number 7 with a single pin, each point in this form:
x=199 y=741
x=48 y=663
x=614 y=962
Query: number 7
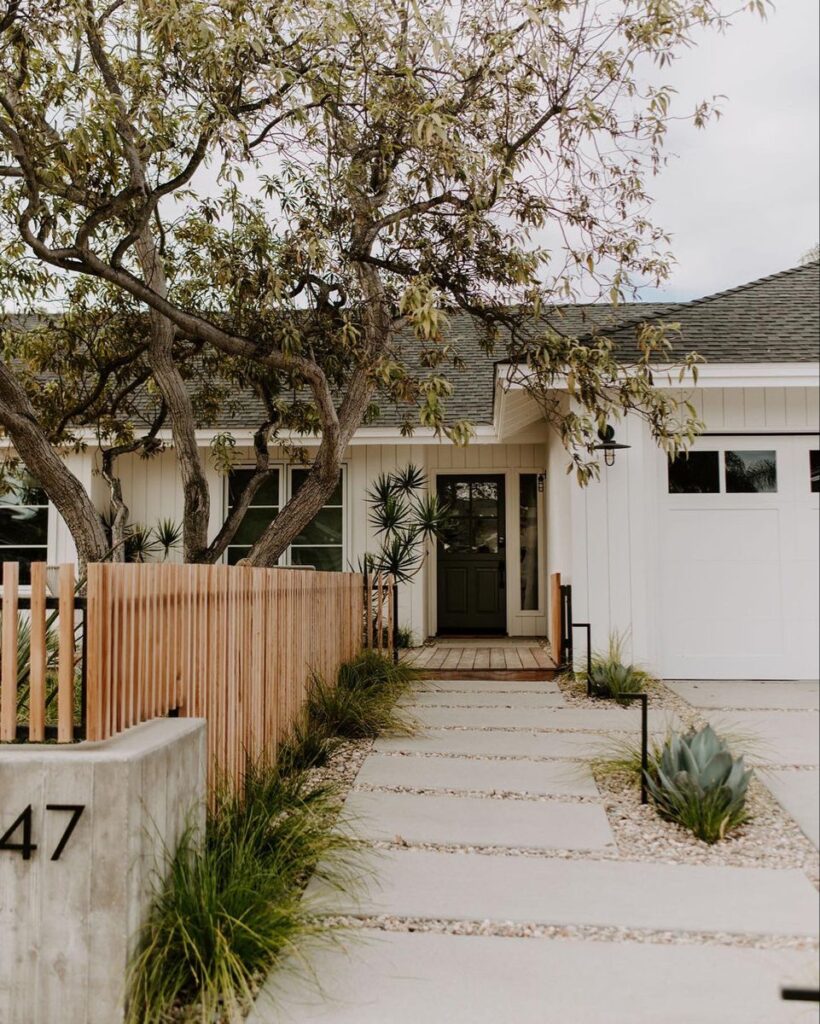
x=76 y=813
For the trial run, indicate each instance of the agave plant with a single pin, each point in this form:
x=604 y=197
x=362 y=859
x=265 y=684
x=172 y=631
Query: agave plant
x=699 y=784
x=610 y=676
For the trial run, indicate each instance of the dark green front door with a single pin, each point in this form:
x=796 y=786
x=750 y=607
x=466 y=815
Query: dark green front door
x=472 y=584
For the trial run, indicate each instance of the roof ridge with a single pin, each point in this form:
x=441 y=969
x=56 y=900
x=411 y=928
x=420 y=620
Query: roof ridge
x=799 y=269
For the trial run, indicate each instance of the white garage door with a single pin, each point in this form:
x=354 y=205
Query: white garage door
x=739 y=560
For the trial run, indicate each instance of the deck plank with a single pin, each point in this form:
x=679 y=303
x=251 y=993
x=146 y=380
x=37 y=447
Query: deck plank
x=527 y=658
x=497 y=659
x=482 y=658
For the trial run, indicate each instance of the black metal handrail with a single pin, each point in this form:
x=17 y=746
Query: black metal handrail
x=568 y=662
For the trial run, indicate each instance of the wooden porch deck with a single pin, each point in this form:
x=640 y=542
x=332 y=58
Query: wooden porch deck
x=483 y=658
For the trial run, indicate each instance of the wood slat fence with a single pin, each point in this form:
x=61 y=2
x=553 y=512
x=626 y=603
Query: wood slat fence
x=233 y=644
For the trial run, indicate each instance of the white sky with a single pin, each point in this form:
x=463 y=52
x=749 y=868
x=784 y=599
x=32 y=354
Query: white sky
x=741 y=197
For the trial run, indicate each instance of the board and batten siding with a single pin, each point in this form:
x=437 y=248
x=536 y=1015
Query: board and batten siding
x=615 y=557
x=152 y=491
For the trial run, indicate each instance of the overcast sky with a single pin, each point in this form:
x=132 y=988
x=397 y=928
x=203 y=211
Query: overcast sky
x=741 y=198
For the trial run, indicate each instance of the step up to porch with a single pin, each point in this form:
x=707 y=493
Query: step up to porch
x=481 y=659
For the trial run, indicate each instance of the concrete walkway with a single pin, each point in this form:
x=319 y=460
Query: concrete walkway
x=495 y=892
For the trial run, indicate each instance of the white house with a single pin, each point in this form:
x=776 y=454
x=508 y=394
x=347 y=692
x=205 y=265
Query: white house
x=709 y=565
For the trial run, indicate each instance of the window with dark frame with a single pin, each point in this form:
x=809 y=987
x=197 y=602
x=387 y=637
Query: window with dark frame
x=751 y=472
x=814 y=470
x=694 y=473
x=23 y=522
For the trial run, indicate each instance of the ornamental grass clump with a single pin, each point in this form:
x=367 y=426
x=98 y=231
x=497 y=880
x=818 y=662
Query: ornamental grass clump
x=611 y=677
x=699 y=784
x=230 y=905
x=362 y=703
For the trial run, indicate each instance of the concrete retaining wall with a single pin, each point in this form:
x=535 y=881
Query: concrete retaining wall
x=68 y=926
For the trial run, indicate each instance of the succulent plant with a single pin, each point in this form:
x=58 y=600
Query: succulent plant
x=611 y=678
x=700 y=784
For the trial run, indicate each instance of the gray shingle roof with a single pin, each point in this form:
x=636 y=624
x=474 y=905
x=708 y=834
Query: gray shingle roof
x=773 y=319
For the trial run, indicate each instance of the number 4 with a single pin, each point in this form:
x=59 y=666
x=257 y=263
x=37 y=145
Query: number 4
x=26 y=847
x=23 y=820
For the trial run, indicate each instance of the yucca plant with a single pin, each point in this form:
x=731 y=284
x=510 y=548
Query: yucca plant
x=405 y=518
x=699 y=783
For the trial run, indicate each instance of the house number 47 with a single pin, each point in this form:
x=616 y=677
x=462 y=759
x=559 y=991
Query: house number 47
x=21 y=827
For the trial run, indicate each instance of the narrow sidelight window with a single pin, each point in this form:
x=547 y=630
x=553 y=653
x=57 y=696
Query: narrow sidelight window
x=528 y=522
x=814 y=470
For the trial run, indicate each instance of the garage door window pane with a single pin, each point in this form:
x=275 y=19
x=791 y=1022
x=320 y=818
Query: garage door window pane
x=694 y=473
x=814 y=470
x=751 y=472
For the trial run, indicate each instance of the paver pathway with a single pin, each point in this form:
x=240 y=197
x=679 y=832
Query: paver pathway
x=495 y=892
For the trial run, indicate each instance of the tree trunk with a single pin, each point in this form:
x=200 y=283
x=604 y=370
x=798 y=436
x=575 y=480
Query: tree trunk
x=196 y=495
x=66 y=492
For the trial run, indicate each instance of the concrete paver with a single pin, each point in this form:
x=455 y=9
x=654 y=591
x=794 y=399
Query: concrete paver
x=482 y=699
x=612 y=719
x=488 y=686
x=602 y=893
x=780 y=737
x=404 y=978
x=798 y=792
x=474 y=821
x=536 y=777
x=740 y=693
x=489 y=743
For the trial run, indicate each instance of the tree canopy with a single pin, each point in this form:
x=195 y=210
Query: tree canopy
x=292 y=197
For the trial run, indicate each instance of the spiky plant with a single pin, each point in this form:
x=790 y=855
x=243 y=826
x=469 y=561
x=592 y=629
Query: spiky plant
x=230 y=905
x=168 y=534
x=611 y=676
x=405 y=519
x=699 y=783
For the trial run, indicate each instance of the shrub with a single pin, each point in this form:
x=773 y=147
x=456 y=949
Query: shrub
x=362 y=703
x=405 y=637
x=610 y=677
x=699 y=784
x=230 y=905
x=308 y=746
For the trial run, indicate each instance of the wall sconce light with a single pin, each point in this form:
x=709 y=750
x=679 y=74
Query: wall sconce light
x=540 y=483
x=608 y=445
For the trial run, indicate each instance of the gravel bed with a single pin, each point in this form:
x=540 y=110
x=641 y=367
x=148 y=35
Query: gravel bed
x=343 y=765
x=661 y=698
x=771 y=839
x=511 y=929
x=484 y=757
x=487 y=794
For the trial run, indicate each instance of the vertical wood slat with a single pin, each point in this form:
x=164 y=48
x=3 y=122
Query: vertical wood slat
x=235 y=645
x=37 y=655
x=8 y=656
x=555 y=617
x=65 y=655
